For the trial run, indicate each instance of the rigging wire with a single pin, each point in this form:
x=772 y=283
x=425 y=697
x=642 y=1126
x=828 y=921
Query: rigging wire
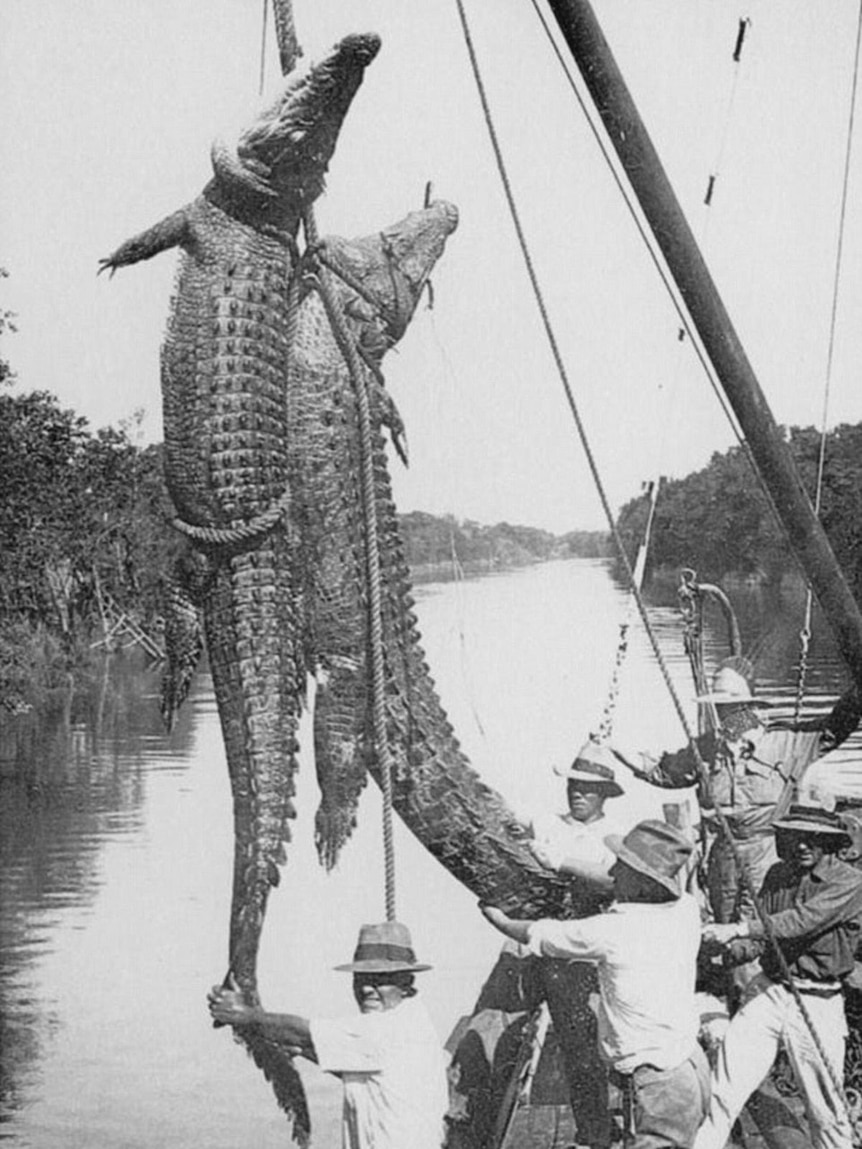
x=701 y=767
x=805 y=632
x=686 y=326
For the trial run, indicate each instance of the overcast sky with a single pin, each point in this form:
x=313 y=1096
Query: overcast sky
x=109 y=108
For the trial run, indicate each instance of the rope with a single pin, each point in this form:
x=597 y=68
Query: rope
x=678 y=305
x=372 y=557
x=805 y=633
x=226 y=536
x=701 y=768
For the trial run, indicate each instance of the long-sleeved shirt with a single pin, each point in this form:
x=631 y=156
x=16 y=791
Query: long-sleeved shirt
x=753 y=778
x=814 y=916
x=645 y=955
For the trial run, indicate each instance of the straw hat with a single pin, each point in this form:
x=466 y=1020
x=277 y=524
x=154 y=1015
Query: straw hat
x=655 y=849
x=593 y=764
x=385 y=947
x=731 y=688
x=813 y=820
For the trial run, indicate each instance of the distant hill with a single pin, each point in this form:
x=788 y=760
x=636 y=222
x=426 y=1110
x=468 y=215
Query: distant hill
x=432 y=543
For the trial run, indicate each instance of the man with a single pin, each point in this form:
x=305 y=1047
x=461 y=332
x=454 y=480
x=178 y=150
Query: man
x=812 y=901
x=389 y=1057
x=754 y=771
x=574 y=843
x=645 y=947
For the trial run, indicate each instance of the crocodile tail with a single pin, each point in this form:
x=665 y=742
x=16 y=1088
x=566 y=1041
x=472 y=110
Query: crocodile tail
x=277 y=1066
x=183 y=647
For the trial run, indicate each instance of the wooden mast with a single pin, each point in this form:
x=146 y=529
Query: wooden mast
x=648 y=179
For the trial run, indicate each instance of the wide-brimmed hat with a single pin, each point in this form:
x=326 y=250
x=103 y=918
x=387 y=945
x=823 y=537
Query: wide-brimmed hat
x=384 y=947
x=813 y=820
x=655 y=849
x=731 y=688
x=593 y=764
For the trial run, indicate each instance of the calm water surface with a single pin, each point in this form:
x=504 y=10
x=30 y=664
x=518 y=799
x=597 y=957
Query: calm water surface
x=116 y=861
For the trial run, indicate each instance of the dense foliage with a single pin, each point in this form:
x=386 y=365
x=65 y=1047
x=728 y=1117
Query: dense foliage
x=433 y=541
x=720 y=521
x=83 y=528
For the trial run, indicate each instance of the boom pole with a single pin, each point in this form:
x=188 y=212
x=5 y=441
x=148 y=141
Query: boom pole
x=583 y=34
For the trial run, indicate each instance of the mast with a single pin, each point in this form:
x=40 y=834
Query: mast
x=656 y=196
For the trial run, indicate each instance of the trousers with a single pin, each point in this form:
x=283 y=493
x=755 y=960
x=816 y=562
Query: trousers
x=664 y=1107
x=770 y=1018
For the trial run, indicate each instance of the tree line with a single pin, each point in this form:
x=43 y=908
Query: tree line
x=720 y=520
x=86 y=532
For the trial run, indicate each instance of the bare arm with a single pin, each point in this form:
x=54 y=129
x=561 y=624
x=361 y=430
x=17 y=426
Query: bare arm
x=228 y=1007
x=512 y=928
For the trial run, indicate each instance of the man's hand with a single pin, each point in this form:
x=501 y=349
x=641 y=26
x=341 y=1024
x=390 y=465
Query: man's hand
x=495 y=917
x=228 y=1006
x=541 y=855
x=723 y=933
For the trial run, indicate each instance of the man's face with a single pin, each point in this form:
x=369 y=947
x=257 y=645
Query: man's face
x=375 y=992
x=585 y=800
x=801 y=848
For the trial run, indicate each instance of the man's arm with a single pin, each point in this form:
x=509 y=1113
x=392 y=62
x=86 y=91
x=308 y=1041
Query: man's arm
x=228 y=1006
x=831 y=904
x=839 y=723
x=594 y=873
x=512 y=928
x=671 y=770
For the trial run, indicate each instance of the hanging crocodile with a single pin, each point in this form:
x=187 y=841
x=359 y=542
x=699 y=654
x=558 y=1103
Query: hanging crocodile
x=262 y=464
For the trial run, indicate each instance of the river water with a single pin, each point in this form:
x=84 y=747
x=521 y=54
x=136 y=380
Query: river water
x=116 y=859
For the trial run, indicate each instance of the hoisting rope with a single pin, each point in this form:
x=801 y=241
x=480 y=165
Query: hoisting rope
x=700 y=765
x=322 y=283
x=289 y=51
x=805 y=632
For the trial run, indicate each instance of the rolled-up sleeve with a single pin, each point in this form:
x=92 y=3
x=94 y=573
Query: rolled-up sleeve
x=346 y=1045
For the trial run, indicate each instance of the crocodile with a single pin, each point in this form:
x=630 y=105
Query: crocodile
x=225 y=414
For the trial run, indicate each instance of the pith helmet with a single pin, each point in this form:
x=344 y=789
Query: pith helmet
x=813 y=820
x=656 y=849
x=593 y=764
x=731 y=687
x=384 y=947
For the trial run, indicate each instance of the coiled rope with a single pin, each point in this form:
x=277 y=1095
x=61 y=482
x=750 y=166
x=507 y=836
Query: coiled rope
x=702 y=771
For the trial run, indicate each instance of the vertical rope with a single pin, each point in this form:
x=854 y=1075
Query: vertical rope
x=805 y=633
x=372 y=559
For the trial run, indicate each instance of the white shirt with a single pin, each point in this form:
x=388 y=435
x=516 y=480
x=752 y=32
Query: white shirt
x=394 y=1073
x=645 y=955
x=560 y=836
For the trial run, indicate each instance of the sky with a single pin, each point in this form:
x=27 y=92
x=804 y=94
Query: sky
x=110 y=106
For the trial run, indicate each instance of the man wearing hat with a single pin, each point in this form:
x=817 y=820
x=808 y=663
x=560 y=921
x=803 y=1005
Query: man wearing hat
x=389 y=1057
x=754 y=772
x=645 y=949
x=574 y=843
x=812 y=902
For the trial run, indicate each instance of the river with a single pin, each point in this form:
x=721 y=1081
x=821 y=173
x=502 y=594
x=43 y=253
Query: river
x=116 y=859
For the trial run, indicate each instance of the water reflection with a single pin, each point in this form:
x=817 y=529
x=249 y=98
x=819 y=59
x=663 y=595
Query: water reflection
x=71 y=776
